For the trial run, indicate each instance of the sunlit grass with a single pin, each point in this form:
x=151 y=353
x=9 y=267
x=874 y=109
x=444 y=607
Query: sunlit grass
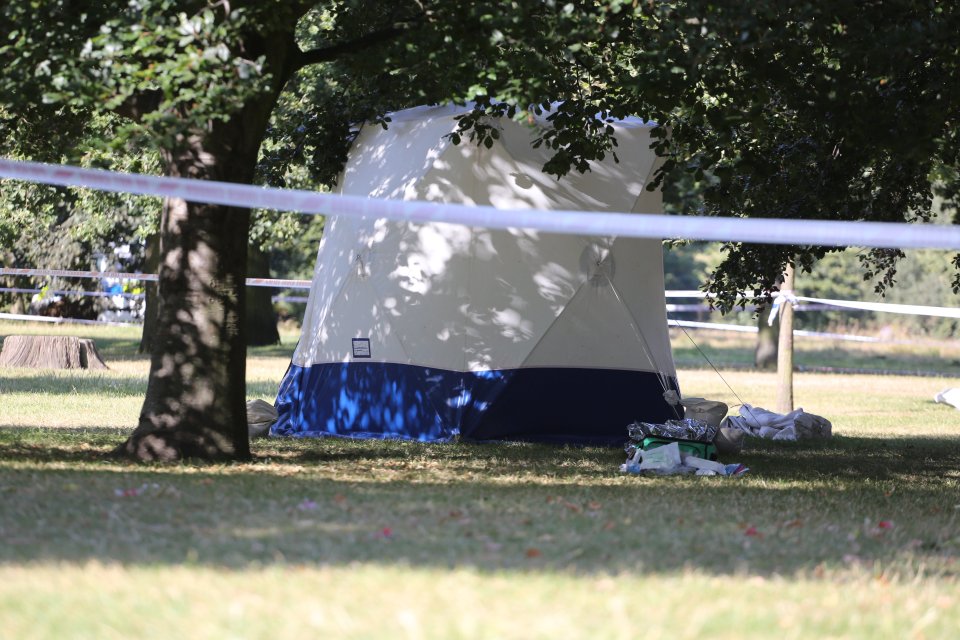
x=111 y=398
x=692 y=349
x=368 y=600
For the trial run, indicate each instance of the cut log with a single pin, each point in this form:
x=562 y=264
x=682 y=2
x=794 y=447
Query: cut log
x=50 y=352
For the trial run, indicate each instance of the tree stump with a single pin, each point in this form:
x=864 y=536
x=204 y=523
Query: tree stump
x=50 y=352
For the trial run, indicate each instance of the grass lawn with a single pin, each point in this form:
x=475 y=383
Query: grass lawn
x=857 y=537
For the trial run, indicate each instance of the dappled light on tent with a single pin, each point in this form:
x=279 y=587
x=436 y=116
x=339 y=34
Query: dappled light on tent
x=434 y=330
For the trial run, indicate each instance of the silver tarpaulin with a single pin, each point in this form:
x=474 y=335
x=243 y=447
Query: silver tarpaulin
x=686 y=429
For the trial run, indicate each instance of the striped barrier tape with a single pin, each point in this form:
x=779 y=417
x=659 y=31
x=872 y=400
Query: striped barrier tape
x=887 y=307
x=657 y=226
x=884 y=307
x=279 y=284
x=149 y=277
x=716 y=326
x=679 y=323
x=87 y=294
x=702 y=308
x=48 y=319
x=69 y=273
x=135 y=296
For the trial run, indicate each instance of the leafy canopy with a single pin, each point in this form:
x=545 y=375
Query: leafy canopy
x=842 y=110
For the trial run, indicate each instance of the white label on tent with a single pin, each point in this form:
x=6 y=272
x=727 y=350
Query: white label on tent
x=361 y=347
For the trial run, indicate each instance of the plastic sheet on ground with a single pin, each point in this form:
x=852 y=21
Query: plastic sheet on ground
x=686 y=429
x=796 y=425
x=669 y=459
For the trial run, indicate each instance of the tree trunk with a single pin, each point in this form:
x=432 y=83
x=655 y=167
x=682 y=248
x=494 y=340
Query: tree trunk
x=765 y=355
x=196 y=394
x=195 y=405
x=785 y=351
x=151 y=301
x=261 y=320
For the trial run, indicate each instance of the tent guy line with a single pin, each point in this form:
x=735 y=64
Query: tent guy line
x=657 y=226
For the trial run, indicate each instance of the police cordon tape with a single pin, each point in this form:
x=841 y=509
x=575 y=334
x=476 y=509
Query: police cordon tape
x=658 y=226
x=149 y=277
x=715 y=326
x=125 y=295
x=671 y=308
x=61 y=292
x=883 y=307
x=48 y=319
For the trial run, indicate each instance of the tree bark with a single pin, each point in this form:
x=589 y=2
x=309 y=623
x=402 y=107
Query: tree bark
x=765 y=355
x=785 y=350
x=196 y=394
x=195 y=406
x=261 y=319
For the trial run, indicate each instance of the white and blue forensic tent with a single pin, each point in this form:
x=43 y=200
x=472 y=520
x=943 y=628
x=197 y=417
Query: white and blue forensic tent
x=433 y=330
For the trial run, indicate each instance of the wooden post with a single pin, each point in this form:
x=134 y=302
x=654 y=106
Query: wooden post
x=785 y=347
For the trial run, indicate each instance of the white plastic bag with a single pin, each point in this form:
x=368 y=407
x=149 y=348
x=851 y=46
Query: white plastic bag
x=950 y=396
x=665 y=457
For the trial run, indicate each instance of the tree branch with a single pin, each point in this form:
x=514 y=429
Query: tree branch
x=140 y=103
x=372 y=39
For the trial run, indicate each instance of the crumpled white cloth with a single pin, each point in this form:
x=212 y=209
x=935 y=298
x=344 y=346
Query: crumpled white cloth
x=949 y=396
x=763 y=423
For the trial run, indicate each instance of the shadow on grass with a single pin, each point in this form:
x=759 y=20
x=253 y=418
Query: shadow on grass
x=487 y=506
x=69 y=383
x=872 y=459
x=841 y=457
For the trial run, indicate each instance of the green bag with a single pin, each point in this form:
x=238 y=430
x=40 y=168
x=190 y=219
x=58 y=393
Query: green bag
x=703 y=450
